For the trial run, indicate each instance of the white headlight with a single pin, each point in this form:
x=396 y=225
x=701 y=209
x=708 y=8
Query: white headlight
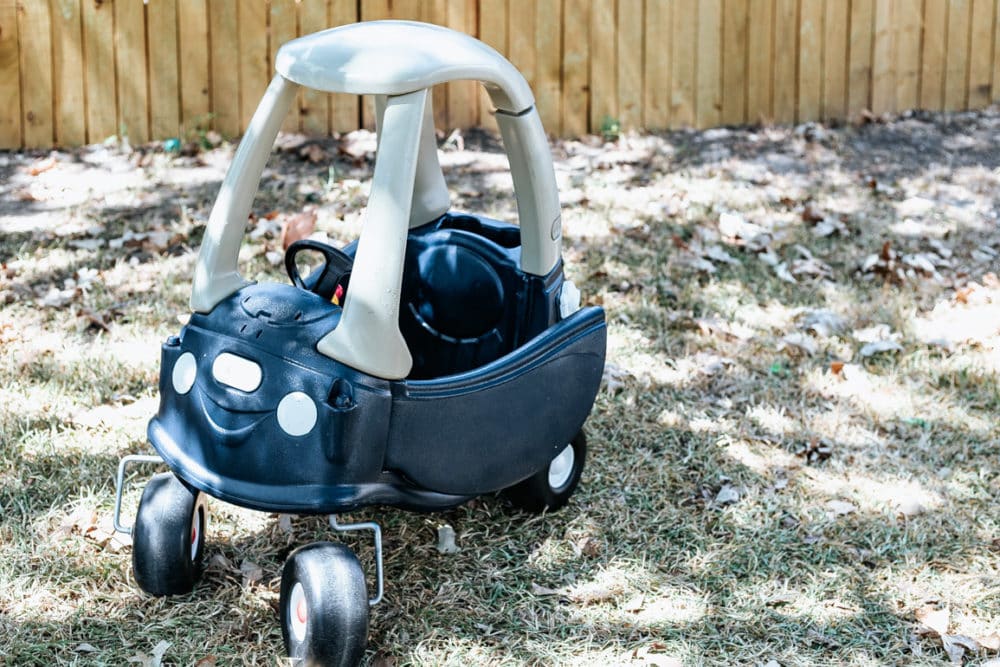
x=296 y=413
x=184 y=373
x=243 y=374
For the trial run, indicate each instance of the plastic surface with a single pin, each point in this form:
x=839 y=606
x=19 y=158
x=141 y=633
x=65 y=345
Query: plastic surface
x=397 y=61
x=162 y=558
x=431 y=199
x=398 y=57
x=216 y=274
x=368 y=336
x=495 y=409
x=535 y=189
x=332 y=609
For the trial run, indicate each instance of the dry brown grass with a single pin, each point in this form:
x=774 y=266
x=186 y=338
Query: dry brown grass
x=757 y=490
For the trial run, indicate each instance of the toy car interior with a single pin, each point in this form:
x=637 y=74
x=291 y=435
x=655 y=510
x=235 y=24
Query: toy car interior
x=441 y=356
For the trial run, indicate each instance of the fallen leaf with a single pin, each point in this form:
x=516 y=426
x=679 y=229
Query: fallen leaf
x=313 y=153
x=86 y=648
x=933 y=619
x=537 y=589
x=909 y=507
x=824 y=323
x=446 y=540
x=153 y=660
x=781 y=270
x=634 y=603
x=840 y=507
x=878 y=347
x=956 y=646
x=727 y=495
x=93 y=319
x=219 y=562
x=57 y=298
x=252 y=573
x=285 y=523
x=798 y=341
x=297 y=226
x=382 y=660
x=991 y=642
x=42 y=166
x=589 y=546
x=614 y=377
x=207 y=661
x=836 y=367
x=717 y=254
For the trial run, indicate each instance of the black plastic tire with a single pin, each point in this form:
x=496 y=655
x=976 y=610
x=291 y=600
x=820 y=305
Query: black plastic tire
x=324 y=606
x=539 y=492
x=168 y=539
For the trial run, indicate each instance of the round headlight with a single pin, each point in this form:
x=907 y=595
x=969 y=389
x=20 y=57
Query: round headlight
x=184 y=373
x=296 y=413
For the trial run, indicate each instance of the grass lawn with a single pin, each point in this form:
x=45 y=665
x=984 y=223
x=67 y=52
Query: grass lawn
x=794 y=459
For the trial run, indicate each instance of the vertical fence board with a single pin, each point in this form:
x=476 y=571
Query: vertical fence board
x=225 y=74
x=99 y=75
x=603 y=86
x=376 y=10
x=67 y=67
x=192 y=37
x=760 y=50
x=785 y=52
x=734 y=61
x=883 y=62
x=628 y=54
x=810 y=76
x=683 y=49
x=436 y=11
x=933 y=57
x=837 y=15
x=283 y=27
x=980 y=54
x=995 y=79
x=956 y=82
x=131 y=72
x=860 y=57
x=34 y=28
x=656 y=64
x=906 y=16
x=463 y=96
x=708 y=107
x=493 y=31
x=164 y=90
x=315 y=105
x=253 y=64
x=575 y=66
x=548 y=52
x=10 y=75
x=345 y=110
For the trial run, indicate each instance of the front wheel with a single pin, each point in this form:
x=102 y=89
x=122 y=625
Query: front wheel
x=324 y=606
x=169 y=536
x=550 y=488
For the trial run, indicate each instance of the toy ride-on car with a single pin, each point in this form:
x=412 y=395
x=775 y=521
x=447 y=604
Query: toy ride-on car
x=439 y=357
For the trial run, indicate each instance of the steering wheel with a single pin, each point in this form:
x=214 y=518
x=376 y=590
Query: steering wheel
x=335 y=272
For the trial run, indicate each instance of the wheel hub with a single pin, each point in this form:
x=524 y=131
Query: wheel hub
x=561 y=468
x=299 y=613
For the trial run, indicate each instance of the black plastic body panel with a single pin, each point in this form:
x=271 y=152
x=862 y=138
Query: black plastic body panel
x=418 y=444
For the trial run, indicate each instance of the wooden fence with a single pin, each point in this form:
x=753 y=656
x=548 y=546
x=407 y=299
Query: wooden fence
x=75 y=71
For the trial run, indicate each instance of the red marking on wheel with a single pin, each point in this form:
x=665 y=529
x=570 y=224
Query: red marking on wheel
x=301 y=611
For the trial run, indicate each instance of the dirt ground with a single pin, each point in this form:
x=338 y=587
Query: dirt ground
x=794 y=459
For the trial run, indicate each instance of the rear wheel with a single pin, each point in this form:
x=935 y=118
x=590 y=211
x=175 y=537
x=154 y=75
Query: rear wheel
x=168 y=539
x=324 y=606
x=550 y=488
